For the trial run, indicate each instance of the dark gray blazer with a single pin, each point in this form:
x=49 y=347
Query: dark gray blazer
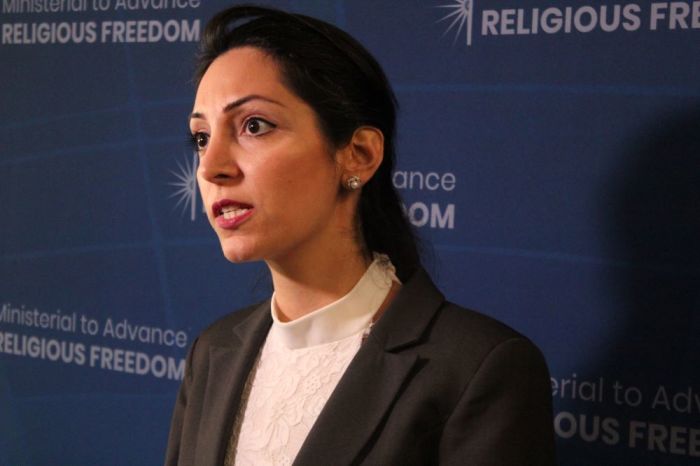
x=433 y=384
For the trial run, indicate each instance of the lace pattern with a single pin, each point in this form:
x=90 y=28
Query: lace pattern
x=283 y=397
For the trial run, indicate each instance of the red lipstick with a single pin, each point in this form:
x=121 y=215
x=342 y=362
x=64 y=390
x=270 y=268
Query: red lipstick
x=229 y=214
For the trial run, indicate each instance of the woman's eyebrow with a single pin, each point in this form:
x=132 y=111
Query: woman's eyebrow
x=237 y=103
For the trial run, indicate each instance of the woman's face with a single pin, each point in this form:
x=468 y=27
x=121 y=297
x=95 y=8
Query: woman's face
x=268 y=179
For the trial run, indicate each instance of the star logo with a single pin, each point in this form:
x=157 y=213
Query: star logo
x=460 y=16
x=186 y=186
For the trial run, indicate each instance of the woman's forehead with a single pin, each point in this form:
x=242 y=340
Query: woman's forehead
x=238 y=73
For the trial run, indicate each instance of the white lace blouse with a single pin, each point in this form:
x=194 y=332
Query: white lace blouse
x=298 y=368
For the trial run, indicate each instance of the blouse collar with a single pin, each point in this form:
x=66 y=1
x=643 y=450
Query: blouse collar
x=342 y=318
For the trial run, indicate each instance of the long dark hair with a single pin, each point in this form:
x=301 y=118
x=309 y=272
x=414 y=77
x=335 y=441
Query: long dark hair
x=346 y=87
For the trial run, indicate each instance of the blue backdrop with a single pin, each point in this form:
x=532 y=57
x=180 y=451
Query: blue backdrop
x=548 y=155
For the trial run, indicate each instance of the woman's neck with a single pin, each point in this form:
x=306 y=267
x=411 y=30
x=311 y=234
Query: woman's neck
x=304 y=285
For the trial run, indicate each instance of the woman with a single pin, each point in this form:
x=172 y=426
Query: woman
x=357 y=358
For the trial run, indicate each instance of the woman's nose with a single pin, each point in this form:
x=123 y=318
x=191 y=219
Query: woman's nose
x=218 y=162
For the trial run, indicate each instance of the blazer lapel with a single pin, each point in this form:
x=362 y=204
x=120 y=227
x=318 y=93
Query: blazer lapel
x=229 y=366
x=367 y=390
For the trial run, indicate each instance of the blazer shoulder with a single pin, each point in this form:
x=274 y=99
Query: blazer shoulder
x=474 y=325
x=421 y=314
x=476 y=335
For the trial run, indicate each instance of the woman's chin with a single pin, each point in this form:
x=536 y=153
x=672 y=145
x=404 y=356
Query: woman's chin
x=238 y=254
x=236 y=257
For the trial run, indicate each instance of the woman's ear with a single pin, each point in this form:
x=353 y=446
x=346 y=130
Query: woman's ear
x=362 y=156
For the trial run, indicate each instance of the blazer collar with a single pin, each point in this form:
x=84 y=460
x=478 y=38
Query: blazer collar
x=230 y=362
x=370 y=385
x=406 y=319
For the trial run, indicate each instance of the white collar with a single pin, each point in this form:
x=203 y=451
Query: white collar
x=342 y=318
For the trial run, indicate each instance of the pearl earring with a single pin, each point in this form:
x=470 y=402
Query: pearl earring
x=353 y=183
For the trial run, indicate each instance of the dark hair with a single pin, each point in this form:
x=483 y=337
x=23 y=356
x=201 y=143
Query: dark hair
x=346 y=87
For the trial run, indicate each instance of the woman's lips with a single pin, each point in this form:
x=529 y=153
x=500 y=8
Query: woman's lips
x=229 y=214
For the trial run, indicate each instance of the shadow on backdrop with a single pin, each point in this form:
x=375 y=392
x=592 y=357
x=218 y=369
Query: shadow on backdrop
x=653 y=211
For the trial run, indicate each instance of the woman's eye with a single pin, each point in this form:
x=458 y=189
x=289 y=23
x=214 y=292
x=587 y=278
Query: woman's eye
x=257 y=126
x=200 y=141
